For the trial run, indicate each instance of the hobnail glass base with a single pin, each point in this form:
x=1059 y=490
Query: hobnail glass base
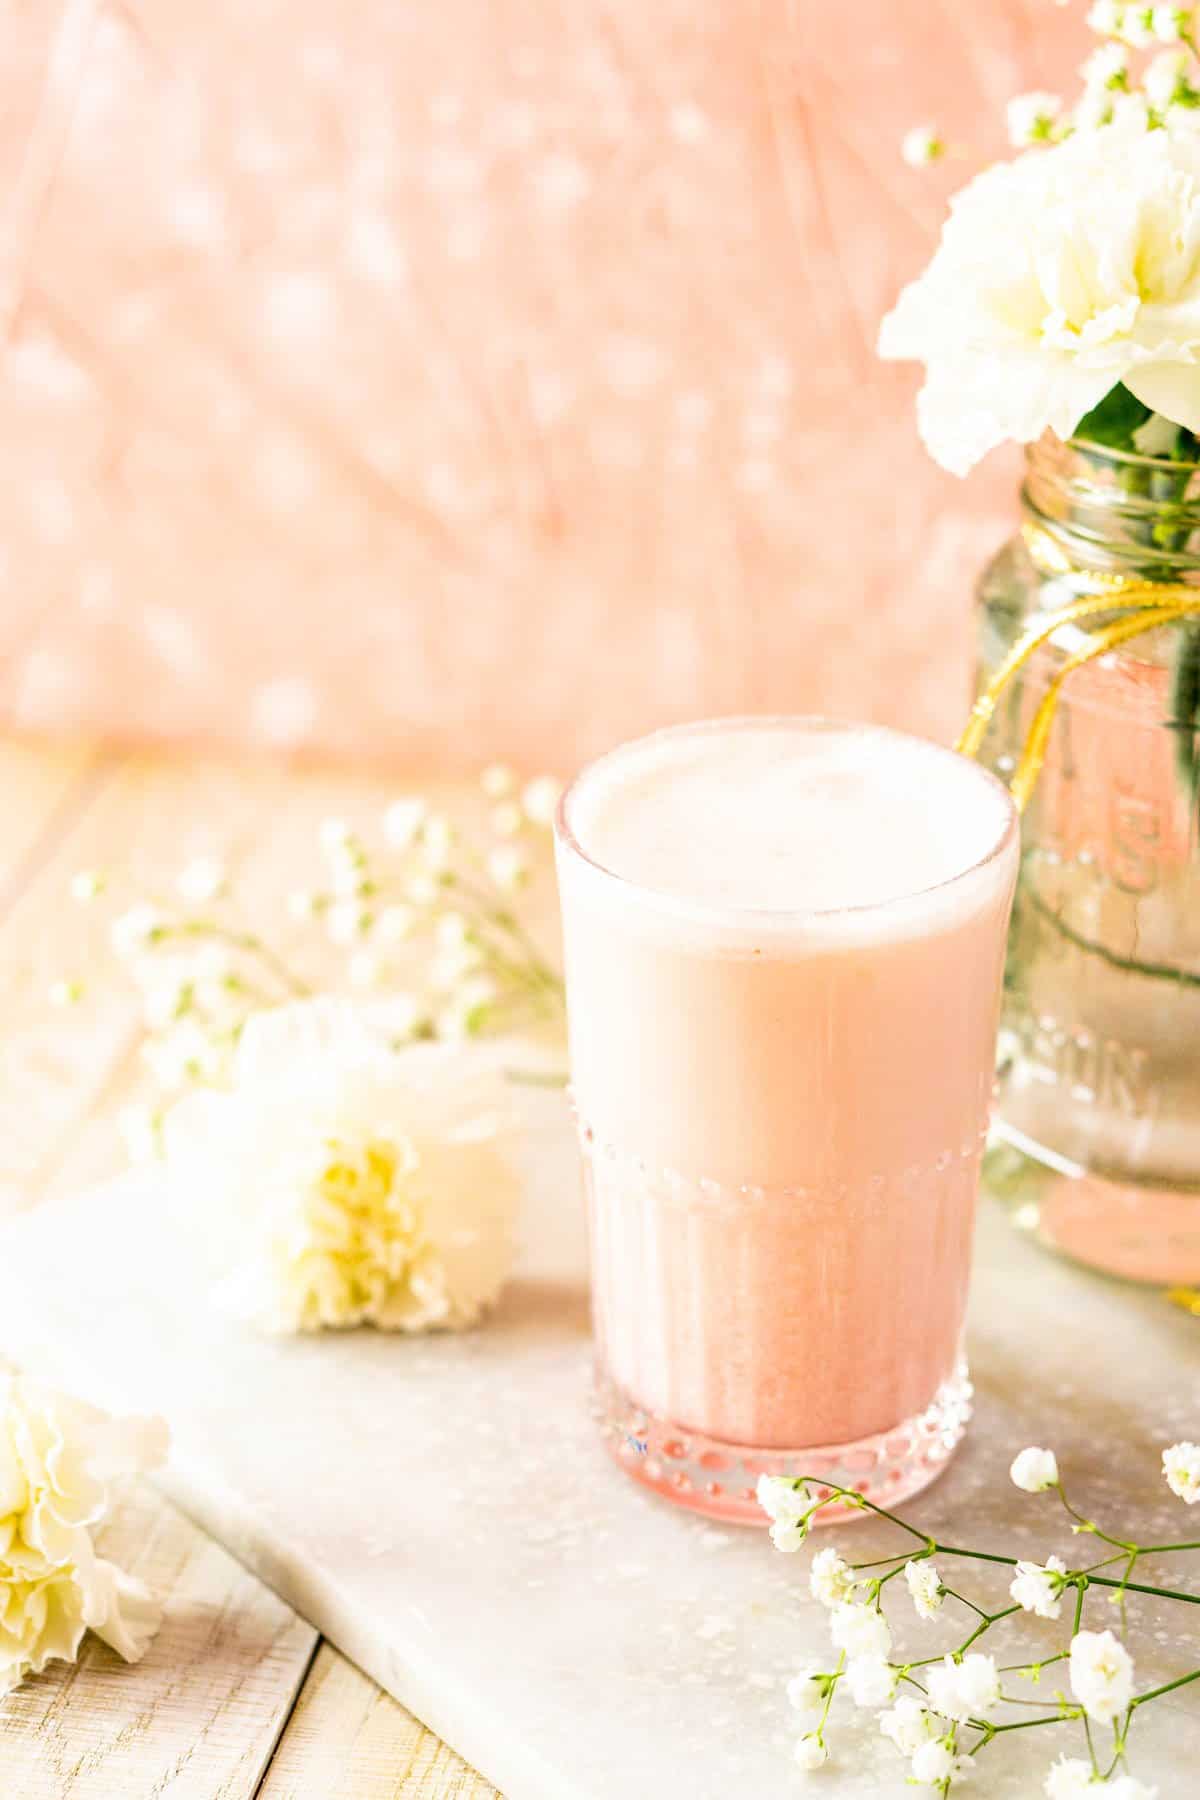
x=719 y=1479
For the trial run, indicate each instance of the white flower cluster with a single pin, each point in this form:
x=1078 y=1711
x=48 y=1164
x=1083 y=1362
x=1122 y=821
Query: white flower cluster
x=1076 y=266
x=344 y=1182
x=1071 y=1778
x=925 y=1708
x=58 y=1459
x=432 y=919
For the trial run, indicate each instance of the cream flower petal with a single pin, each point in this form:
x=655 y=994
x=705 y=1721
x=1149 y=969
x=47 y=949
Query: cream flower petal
x=122 y=1611
x=343 y=1182
x=1172 y=389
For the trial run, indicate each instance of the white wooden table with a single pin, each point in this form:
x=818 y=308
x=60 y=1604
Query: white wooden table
x=238 y=1696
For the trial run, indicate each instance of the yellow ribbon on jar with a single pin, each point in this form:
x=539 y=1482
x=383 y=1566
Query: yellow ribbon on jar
x=1140 y=606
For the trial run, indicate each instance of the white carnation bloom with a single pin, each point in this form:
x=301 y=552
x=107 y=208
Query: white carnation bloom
x=1125 y=1787
x=343 y=1183
x=1070 y=1778
x=57 y=1460
x=831 y=1580
x=810 y=1753
x=1035 y=1470
x=964 y=1690
x=1101 y=1675
x=860 y=1630
x=871 y=1681
x=925 y=1586
x=1181 y=1466
x=1038 y=1588
x=1059 y=274
x=908 y=1724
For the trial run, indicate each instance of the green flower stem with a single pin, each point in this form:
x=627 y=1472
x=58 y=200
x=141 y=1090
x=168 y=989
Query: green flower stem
x=247 y=941
x=1168 y=1687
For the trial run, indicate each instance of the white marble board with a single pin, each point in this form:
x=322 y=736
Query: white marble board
x=442 y=1509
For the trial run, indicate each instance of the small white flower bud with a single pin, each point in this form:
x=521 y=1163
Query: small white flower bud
x=497 y=781
x=333 y=835
x=506 y=819
x=1033 y=1471
x=66 y=993
x=87 y=885
x=402 y=821
x=1166 y=78
x=1032 y=118
x=507 y=867
x=921 y=146
x=540 y=800
x=1181 y=1466
x=811 y=1753
x=201 y=880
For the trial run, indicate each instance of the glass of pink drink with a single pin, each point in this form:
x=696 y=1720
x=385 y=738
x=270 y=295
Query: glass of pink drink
x=784 y=945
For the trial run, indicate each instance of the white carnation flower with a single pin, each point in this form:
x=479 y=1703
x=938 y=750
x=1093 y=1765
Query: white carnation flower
x=908 y=1724
x=925 y=1586
x=860 y=1630
x=1125 y=1787
x=1035 y=1470
x=343 y=1183
x=1038 y=1588
x=811 y=1753
x=1181 y=1466
x=1059 y=274
x=831 y=1580
x=57 y=1460
x=964 y=1690
x=1101 y=1675
x=871 y=1681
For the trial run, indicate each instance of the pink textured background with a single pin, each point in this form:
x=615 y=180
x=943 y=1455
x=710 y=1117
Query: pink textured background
x=437 y=378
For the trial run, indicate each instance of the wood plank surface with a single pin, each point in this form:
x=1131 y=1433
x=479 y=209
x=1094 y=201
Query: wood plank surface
x=198 y=1718
x=201 y=1717
x=348 y=1740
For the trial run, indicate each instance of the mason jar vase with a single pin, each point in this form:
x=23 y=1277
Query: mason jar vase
x=1097 y=1138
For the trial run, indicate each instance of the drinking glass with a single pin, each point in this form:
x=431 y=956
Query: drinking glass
x=784 y=941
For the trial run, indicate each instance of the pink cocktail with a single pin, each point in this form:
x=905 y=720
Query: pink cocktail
x=784 y=945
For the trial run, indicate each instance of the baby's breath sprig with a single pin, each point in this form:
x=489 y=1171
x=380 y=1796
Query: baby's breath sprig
x=940 y=1711
x=429 y=919
x=1161 y=89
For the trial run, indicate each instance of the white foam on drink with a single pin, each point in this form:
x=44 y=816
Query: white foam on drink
x=780 y=817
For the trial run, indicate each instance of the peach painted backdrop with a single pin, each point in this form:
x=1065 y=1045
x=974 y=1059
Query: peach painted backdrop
x=430 y=378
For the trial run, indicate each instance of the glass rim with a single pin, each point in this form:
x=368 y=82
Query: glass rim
x=764 y=916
